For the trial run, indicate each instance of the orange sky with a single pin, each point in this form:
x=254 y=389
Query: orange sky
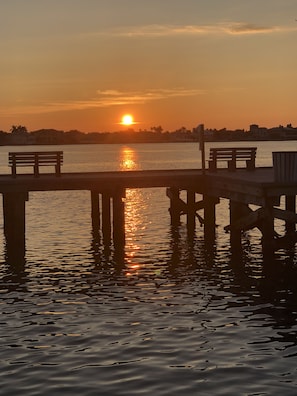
x=82 y=64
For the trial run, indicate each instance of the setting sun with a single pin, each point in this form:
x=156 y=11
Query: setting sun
x=127 y=119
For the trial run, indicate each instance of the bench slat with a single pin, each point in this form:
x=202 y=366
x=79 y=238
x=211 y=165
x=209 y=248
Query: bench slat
x=39 y=159
x=238 y=156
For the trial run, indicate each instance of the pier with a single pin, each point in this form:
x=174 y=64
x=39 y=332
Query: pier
x=203 y=190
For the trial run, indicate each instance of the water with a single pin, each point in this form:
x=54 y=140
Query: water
x=174 y=318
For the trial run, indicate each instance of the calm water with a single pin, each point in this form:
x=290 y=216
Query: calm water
x=173 y=318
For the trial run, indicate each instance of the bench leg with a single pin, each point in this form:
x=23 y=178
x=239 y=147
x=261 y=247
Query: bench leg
x=250 y=165
x=36 y=171
x=212 y=166
x=232 y=166
x=58 y=170
x=13 y=170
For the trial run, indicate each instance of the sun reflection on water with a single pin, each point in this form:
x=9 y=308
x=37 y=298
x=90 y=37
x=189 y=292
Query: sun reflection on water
x=128 y=159
x=135 y=221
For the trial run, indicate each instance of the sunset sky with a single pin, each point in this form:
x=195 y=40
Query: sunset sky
x=83 y=64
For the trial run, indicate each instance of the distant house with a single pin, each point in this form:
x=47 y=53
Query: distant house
x=258 y=132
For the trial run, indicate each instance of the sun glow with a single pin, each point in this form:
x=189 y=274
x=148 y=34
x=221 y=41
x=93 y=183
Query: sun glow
x=127 y=120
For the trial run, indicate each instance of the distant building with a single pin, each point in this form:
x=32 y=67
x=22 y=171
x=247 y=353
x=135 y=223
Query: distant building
x=258 y=132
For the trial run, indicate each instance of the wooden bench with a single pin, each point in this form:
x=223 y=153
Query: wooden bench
x=232 y=155
x=35 y=159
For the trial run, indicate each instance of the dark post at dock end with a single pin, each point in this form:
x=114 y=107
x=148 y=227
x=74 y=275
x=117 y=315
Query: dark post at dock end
x=200 y=130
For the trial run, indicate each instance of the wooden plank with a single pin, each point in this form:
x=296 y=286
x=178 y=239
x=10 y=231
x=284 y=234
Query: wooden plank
x=229 y=156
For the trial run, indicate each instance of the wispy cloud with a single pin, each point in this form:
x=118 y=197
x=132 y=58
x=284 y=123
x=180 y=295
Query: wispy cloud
x=232 y=28
x=104 y=98
x=249 y=28
x=111 y=97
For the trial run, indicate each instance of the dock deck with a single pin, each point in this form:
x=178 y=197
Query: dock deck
x=242 y=187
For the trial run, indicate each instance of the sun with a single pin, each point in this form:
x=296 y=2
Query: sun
x=127 y=120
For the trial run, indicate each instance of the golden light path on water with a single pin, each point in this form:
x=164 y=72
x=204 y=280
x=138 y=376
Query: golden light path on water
x=135 y=203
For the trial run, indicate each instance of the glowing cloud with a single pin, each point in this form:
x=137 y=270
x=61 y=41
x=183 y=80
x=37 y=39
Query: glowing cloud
x=104 y=98
x=239 y=28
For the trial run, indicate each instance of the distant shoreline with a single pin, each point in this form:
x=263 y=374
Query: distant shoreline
x=19 y=135
x=144 y=142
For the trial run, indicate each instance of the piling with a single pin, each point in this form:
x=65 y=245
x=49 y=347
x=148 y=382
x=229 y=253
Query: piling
x=191 y=211
x=209 y=204
x=119 y=217
x=106 y=218
x=290 y=202
x=14 y=205
x=95 y=211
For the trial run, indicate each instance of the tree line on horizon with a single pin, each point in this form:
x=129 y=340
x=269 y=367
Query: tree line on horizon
x=19 y=135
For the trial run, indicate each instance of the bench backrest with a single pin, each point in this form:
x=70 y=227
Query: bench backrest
x=35 y=159
x=236 y=153
x=27 y=158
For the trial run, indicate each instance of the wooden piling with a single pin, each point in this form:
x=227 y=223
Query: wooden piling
x=106 y=218
x=174 y=209
x=268 y=231
x=291 y=207
x=119 y=218
x=95 y=211
x=209 y=204
x=14 y=222
x=237 y=210
x=191 y=211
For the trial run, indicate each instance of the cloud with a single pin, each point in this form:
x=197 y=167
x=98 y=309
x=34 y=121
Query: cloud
x=249 y=28
x=110 y=97
x=104 y=98
x=232 y=28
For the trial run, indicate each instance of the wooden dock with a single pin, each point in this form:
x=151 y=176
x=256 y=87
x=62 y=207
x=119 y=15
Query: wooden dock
x=241 y=187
